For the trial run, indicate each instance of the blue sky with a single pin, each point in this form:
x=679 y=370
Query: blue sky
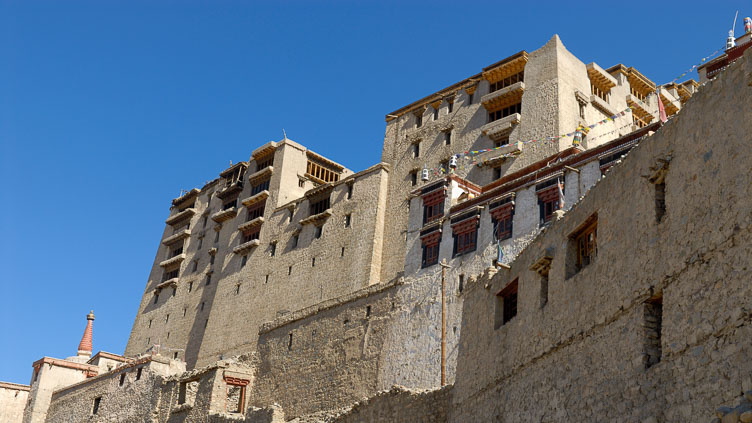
x=109 y=109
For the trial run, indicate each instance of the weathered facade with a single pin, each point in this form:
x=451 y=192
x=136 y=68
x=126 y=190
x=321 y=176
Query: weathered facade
x=575 y=259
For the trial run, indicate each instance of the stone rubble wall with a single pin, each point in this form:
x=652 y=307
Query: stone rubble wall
x=583 y=356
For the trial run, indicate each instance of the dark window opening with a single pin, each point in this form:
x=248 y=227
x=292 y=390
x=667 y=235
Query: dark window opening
x=289 y=342
x=448 y=138
x=264 y=162
x=506 y=304
x=504 y=112
x=256 y=211
x=122 y=379
x=342 y=253
x=450 y=106
x=138 y=373
x=97 y=401
x=503 y=227
x=230 y=204
x=289 y=270
x=156 y=298
x=418 y=120
x=272 y=249
x=250 y=236
x=414 y=177
x=368 y=311
x=318 y=231
x=348 y=220
x=295 y=240
x=660 y=202
x=496 y=173
x=470 y=98
x=313 y=261
x=544 y=290
x=319 y=206
x=261 y=186
x=172 y=274
x=461 y=284
x=506 y=82
x=435 y=113
x=653 y=326
x=349 y=191
x=208 y=279
x=416 y=150
x=243 y=261
x=587 y=247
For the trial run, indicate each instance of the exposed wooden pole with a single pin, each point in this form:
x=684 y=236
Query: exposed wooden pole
x=444 y=266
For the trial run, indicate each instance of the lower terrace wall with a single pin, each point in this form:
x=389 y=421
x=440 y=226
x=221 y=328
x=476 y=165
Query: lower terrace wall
x=584 y=355
x=13 y=399
x=327 y=356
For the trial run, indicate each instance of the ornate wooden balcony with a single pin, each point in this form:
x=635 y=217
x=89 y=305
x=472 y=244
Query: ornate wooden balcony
x=251 y=224
x=247 y=246
x=499 y=129
x=185 y=233
x=179 y=216
x=173 y=260
x=225 y=215
x=263 y=195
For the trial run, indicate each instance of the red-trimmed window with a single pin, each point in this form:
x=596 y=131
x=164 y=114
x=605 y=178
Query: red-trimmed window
x=549 y=199
x=430 y=243
x=465 y=234
x=501 y=214
x=433 y=205
x=235 y=394
x=508 y=297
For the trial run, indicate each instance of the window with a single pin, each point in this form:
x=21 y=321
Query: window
x=447 y=137
x=211 y=259
x=195 y=266
x=202 y=305
x=506 y=304
x=653 y=322
x=171 y=274
x=266 y=279
x=430 y=241
x=497 y=173
x=289 y=270
x=243 y=261
x=503 y=141
x=138 y=373
x=256 y=210
x=216 y=236
x=598 y=92
x=504 y=112
x=465 y=232
x=435 y=113
x=349 y=191
x=414 y=178
x=506 y=82
x=185 y=310
x=582 y=110
x=321 y=172
x=587 y=248
x=461 y=284
x=503 y=228
x=348 y=220
x=156 y=297
x=250 y=236
x=167 y=318
x=415 y=149
x=187 y=392
x=235 y=399
x=660 y=201
x=175 y=251
x=318 y=230
x=97 y=401
x=208 y=279
x=237 y=289
x=175 y=355
x=433 y=204
x=190 y=286
x=550 y=198
x=174 y=291
x=543 y=289
x=230 y=204
x=261 y=186
x=149 y=323
x=313 y=261
x=450 y=105
x=264 y=162
x=470 y=98
x=301 y=183
x=319 y=206
x=272 y=249
x=342 y=253
x=294 y=240
x=418 y=120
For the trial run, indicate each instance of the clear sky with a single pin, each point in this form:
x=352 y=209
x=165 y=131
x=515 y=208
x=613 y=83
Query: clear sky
x=109 y=109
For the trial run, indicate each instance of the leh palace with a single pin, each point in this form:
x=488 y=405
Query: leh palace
x=547 y=240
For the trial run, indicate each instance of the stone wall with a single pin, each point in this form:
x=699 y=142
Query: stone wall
x=13 y=399
x=335 y=347
x=586 y=354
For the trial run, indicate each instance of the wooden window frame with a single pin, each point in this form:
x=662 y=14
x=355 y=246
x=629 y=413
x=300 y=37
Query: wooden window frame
x=586 y=243
x=509 y=296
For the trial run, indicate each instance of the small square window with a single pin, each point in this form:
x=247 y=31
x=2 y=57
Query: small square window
x=506 y=304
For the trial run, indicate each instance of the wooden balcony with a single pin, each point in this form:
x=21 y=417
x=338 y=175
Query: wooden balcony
x=180 y=216
x=225 y=215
